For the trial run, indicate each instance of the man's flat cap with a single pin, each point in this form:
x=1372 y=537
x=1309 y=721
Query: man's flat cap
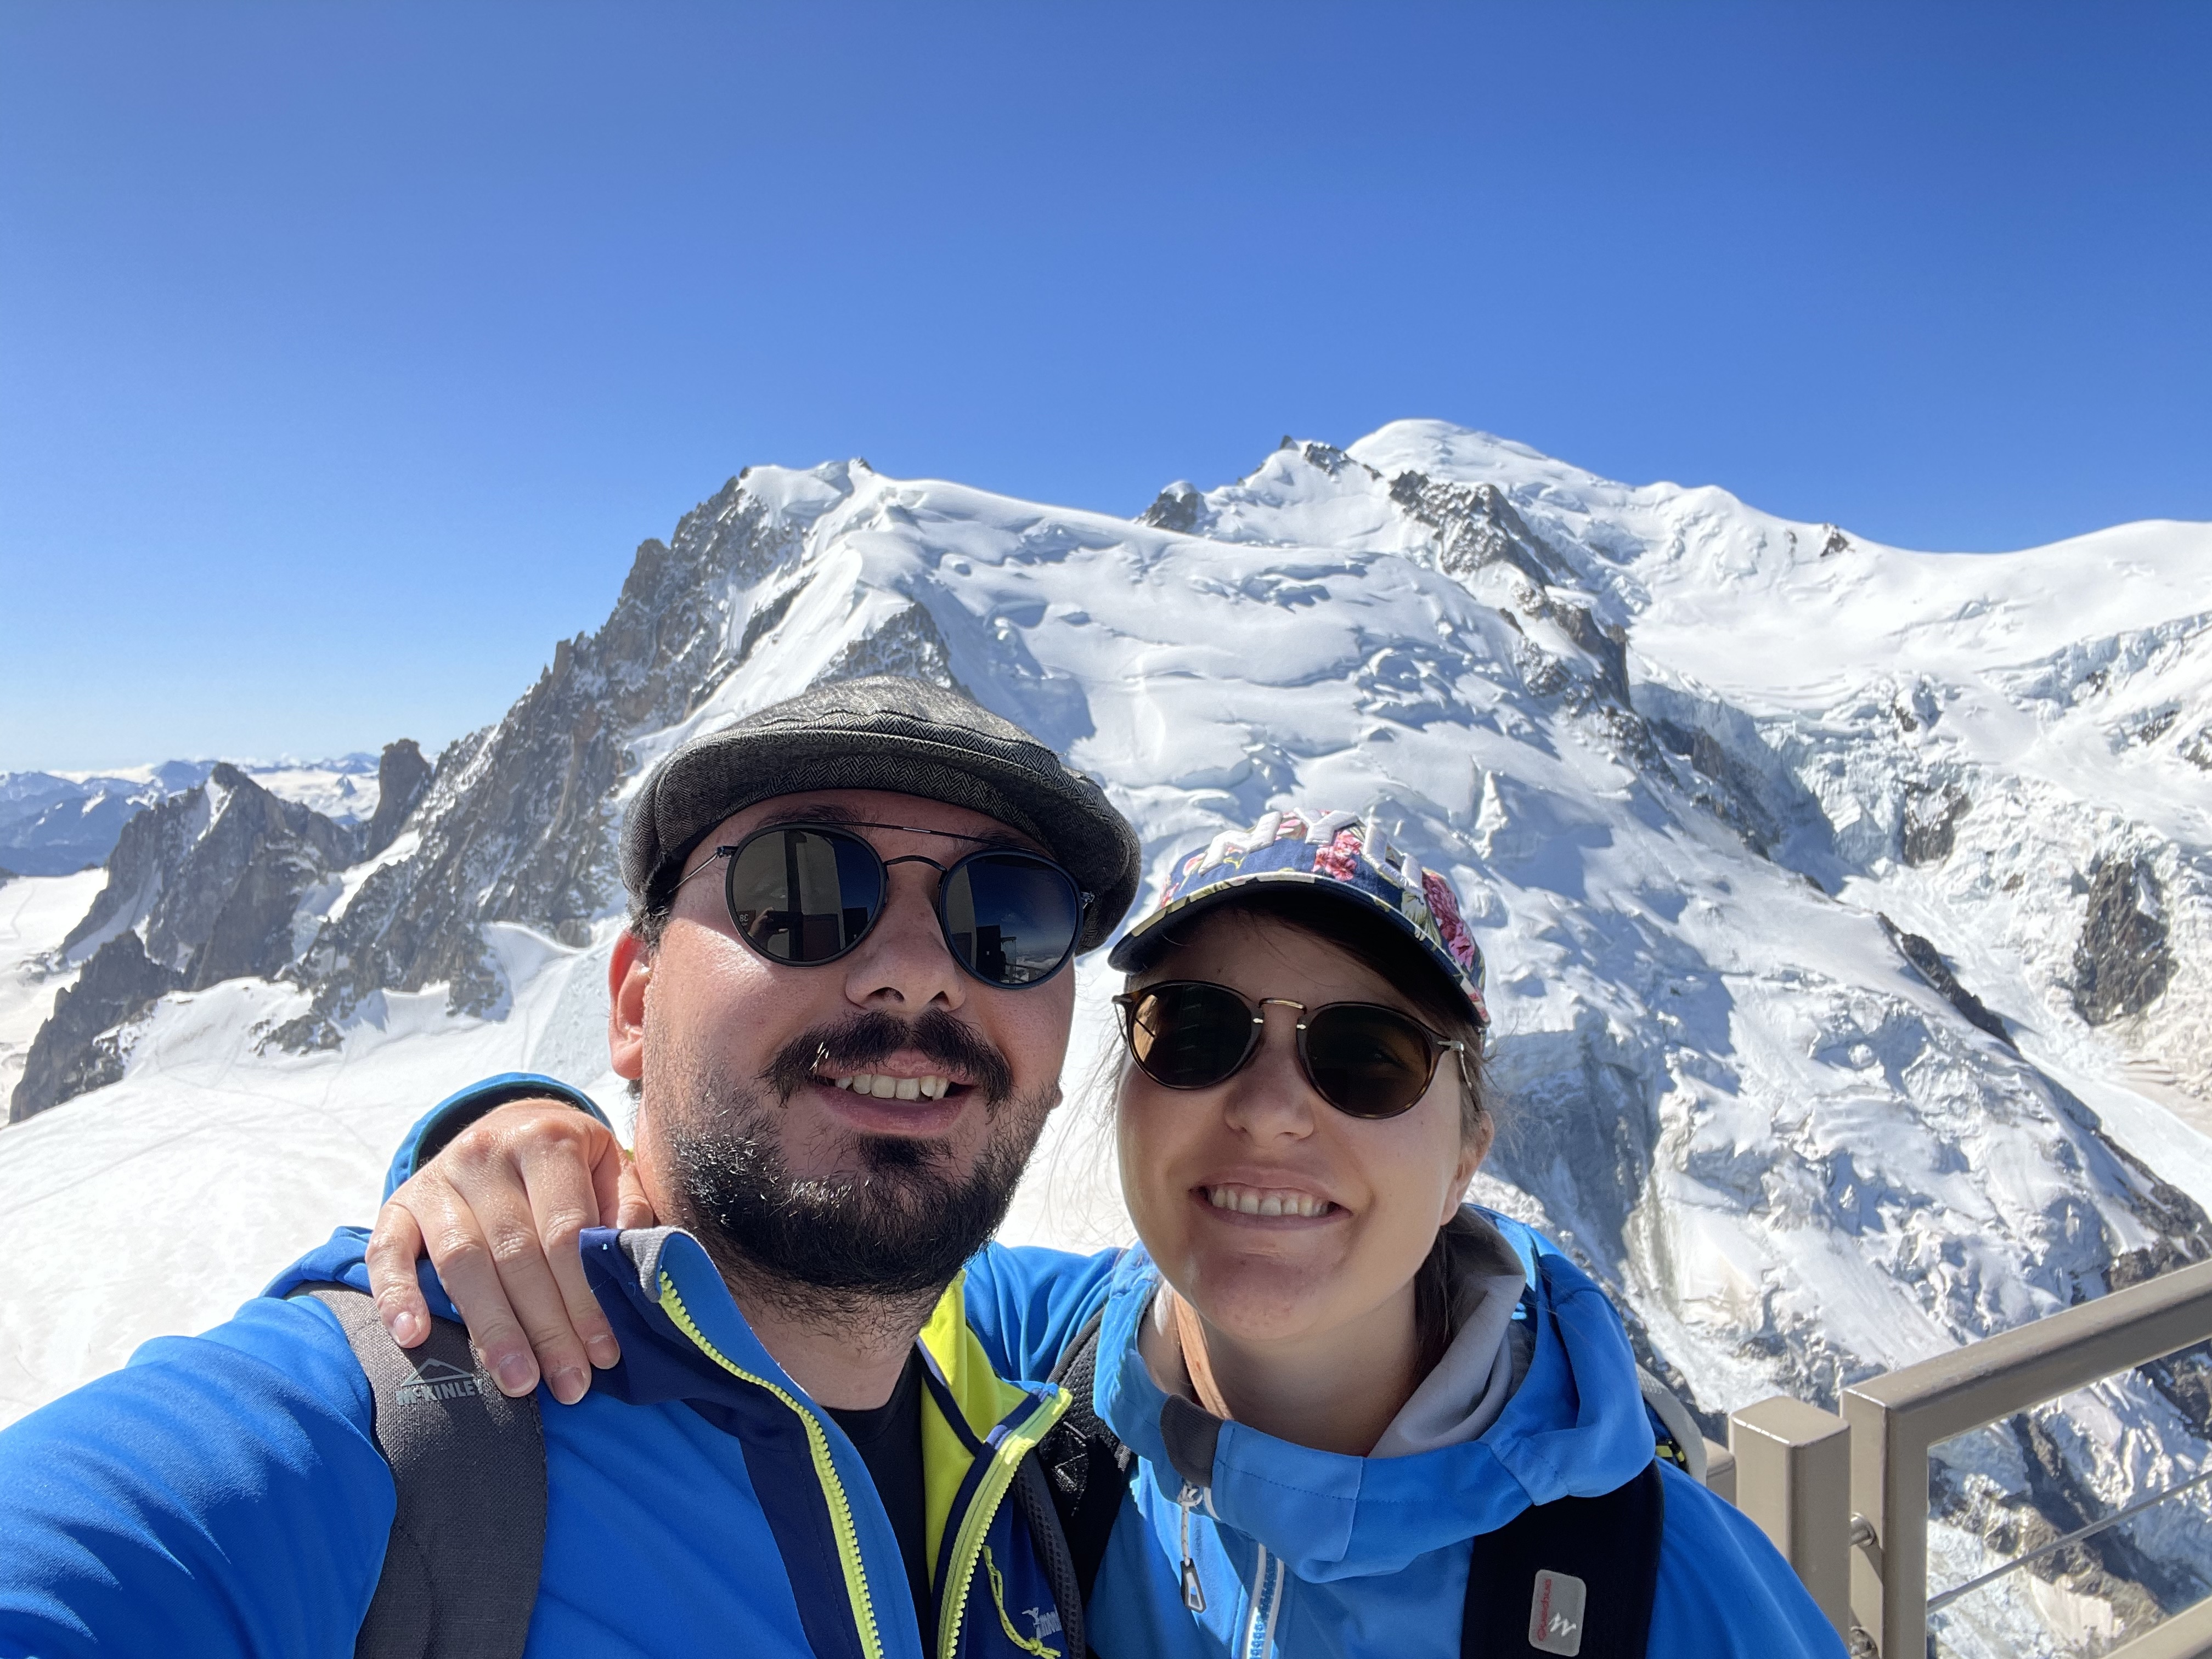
x=882 y=732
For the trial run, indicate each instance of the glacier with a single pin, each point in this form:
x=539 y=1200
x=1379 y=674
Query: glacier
x=1846 y=908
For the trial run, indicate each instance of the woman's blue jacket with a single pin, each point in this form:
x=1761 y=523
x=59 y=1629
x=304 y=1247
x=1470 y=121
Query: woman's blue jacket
x=1304 y=1553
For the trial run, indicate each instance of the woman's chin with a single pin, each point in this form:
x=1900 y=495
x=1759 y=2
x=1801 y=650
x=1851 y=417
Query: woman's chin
x=1259 y=1302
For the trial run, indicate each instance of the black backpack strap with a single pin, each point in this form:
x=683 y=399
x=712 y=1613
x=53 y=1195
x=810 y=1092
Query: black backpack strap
x=1086 y=1469
x=1573 y=1576
x=461 y=1571
x=1033 y=1495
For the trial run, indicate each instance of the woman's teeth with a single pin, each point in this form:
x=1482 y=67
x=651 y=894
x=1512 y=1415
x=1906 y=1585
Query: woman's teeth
x=896 y=1088
x=1246 y=1201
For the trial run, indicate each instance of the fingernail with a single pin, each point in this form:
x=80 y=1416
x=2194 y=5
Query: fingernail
x=568 y=1385
x=603 y=1351
x=516 y=1374
x=406 y=1327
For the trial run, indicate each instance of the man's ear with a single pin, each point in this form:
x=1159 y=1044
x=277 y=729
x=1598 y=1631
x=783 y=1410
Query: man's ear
x=627 y=974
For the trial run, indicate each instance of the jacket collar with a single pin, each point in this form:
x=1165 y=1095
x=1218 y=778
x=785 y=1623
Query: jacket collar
x=1576 y=1427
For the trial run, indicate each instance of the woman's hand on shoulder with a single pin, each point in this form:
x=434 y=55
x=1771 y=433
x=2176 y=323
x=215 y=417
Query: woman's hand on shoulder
x=500 y=1212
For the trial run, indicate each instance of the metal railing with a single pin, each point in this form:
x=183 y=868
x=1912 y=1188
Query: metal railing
x=1845 y=1499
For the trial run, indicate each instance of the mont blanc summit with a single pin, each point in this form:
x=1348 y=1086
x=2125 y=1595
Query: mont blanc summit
x=1847 y=910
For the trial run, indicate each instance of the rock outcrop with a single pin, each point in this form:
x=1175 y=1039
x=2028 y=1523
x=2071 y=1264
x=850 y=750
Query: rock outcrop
x=1179 y=507
x=909 y=643
x=1931 y=824
x=80 y=1048
x=226 y=909
x=1928 y=961
x=149 y=850
x=1476 y=525
x=403 y=778
x=205 y=887
x=2122 y=963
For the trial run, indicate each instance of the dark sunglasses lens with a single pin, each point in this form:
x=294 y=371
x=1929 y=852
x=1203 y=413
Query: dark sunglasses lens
x=1012 y=919
x=1368 y=1062
x=1188 y=1036
x=804 y=895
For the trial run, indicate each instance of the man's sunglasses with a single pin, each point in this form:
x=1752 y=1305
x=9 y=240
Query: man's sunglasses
x=806 y=894
x=1366 y=1060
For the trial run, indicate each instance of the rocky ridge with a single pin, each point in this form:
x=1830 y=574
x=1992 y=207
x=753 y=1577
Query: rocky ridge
x=211 y=883
x=51 y=825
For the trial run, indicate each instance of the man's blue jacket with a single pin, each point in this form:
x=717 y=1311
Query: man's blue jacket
x=222 y=1495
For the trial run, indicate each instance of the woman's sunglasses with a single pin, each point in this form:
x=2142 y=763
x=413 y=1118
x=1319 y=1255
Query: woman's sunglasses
x=805 y=893
x=1366 y=1060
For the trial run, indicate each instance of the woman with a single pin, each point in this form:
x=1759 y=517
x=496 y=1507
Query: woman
x=1366 y=1418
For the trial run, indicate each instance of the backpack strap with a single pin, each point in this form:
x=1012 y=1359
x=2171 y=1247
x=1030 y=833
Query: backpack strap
x=1575 y=1576
x=1676 y=1436
x=468 y=1538
x=1086 y=1469
x=1033 y=1496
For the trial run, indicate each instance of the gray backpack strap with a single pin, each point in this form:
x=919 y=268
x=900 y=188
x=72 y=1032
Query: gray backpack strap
x=460 y=1573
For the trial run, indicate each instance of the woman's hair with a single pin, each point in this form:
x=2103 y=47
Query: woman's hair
x=1377 y=944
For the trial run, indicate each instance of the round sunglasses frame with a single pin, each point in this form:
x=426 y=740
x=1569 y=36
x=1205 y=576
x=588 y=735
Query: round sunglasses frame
x=1128 y=1000
x=728 y=855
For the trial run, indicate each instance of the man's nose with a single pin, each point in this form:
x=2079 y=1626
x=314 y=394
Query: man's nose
x=904 y=962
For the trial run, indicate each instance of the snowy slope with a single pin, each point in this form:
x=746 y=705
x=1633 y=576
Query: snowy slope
x=1709 y=776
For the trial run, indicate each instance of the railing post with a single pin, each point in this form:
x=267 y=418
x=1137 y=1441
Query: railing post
x=1889 y=1487
x=1793 y=1473
x=1720 y=1471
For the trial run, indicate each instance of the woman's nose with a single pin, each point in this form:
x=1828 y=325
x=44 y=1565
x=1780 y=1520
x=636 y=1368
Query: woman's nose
x=1271 y=1096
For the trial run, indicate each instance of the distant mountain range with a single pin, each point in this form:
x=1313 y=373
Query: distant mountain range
x=1847 y=910
x=52 y=824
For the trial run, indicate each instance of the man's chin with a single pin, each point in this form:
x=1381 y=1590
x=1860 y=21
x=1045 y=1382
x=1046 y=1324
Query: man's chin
x=893 y=1220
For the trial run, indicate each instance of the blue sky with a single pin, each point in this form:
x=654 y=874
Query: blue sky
x=347 y=351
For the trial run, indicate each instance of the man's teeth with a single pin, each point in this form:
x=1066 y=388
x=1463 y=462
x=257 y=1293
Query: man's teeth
x=896 y=1088
x=1245 y=1200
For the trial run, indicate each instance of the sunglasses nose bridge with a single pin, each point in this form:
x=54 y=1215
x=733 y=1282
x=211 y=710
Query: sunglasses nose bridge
x=1271 y=1094
x=903 y=950
x=942 y=870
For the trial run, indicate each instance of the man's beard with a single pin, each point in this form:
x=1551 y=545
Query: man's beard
x=896 y=1228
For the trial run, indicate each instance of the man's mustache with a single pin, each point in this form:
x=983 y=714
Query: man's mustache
x=857 y=1042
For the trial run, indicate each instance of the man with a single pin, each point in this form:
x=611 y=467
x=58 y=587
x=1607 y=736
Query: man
x=844 y=1000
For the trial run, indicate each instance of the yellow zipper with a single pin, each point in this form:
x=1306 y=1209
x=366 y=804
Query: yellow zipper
x=825 y=1470
x=967 y=1542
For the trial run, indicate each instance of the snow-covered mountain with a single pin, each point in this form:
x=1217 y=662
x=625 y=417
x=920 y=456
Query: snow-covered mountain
x=1846 y=907
x=53 y=822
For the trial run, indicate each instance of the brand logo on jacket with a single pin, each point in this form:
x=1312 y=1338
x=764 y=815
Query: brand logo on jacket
x=1555 y=1613
x=438 y=1381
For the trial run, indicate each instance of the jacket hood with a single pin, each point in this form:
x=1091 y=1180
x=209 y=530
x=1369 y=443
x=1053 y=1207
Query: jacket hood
x=1575 y=1426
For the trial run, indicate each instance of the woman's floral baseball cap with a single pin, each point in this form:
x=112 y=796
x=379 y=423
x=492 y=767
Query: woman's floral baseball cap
x=1338 y=853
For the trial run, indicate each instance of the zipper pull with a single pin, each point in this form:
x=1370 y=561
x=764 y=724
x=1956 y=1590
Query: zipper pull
x=1194 y=1593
